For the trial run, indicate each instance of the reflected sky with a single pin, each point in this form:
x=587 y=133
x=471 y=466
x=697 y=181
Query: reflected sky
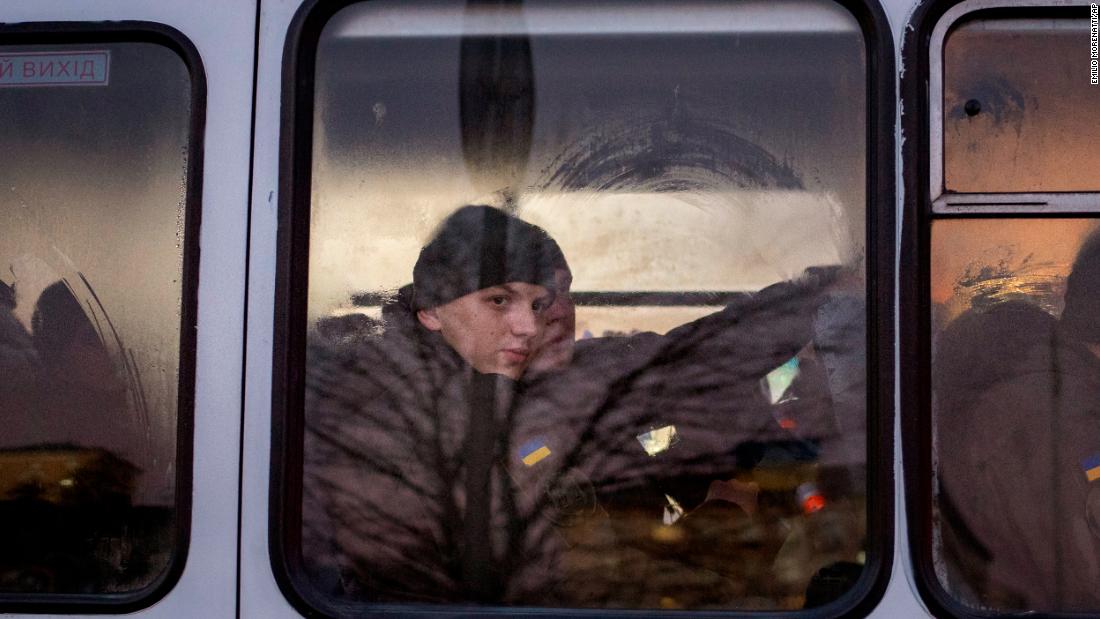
x=1002 y=259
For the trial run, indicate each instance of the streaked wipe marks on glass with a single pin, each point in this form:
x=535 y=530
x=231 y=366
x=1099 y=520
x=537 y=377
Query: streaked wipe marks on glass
x=728 y=145
x=982 y=262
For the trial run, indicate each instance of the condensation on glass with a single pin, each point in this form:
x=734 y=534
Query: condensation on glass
x=92 y=195
x=1015 y=387
x=1019 y=110
x=702 y=168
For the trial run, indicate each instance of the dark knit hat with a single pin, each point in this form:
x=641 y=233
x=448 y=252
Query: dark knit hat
x=479 y=247
x=1081 y=316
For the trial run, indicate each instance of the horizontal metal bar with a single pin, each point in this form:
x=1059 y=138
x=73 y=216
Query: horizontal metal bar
x=657 y=299
x=611 y=299
x=1017 y=203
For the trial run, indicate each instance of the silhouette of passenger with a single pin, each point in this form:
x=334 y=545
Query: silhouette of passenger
x=66 y=340
x=1025 y=480
x=66 y=428
x=81 y=399
x=979 y=350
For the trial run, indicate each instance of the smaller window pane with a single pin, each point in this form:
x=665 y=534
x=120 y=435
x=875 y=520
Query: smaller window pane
x=1019 y=112
x=1016 y=412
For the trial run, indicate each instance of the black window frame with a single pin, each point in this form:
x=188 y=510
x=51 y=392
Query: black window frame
x=131 y=31
x=290 y=326
x=914 y=294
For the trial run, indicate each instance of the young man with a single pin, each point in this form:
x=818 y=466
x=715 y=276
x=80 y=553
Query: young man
x=406 y=488
x=483 y=284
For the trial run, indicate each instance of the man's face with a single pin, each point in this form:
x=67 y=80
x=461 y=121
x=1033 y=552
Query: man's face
x=494 y=329
x=555 y=350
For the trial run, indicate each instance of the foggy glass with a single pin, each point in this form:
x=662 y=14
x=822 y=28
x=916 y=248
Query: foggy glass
x=672 y=152
x=1018 y=109
x=1015 y=381
x=92 y=197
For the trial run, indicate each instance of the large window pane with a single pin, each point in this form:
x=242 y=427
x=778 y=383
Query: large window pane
x=1015 y=370
x=1019 y=110
x=92 y=217
x=702 y=171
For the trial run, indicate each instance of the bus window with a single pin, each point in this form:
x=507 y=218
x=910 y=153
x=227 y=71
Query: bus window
x=96 y=239
x=1004 y=347
x=584 y=321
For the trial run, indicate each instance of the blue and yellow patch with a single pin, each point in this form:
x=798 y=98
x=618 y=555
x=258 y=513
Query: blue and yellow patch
x=1091 y=466
x=533 y=451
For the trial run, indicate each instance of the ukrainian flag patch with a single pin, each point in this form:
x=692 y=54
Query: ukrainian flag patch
x=533 y=451
x=1091 y=465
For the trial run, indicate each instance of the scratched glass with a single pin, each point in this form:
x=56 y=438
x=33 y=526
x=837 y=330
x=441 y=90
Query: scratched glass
x=1015 y=381
x=684 y=425
x=92 y=194
x=1019 y=112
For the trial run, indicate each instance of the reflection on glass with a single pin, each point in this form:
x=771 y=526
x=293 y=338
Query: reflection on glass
x=779 y=380
x=91 y=215
x=555 y=400
x=1015 y=381
x=656 y=441
x=673 y=511
x=1016 y=105
x=810 y=498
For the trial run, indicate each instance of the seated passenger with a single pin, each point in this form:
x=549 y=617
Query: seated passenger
x=675 y=432
x=403 y=497
x=61 y=400
x=444 y=466
x=979 y=350
x=1028 y=484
